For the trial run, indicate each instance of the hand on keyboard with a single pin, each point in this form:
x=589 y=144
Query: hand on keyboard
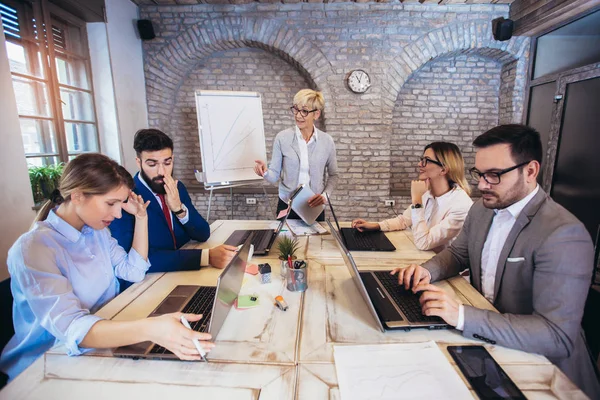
x=168 y=332
x=412 y=276
x=362 y=225
x=436 y=302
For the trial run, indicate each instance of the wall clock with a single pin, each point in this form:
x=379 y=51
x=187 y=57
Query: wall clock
x=359 y=81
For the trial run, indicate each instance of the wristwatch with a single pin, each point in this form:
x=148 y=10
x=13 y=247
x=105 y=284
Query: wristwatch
x=416 y=206
x=181 y=211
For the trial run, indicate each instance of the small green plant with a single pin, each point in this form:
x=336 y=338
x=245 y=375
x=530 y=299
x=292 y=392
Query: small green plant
x=44 y=180
x=287 y=247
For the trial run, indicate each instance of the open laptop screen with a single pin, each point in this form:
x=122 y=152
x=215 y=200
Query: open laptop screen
x=353 y=269
x=333 y=213
x=229 y=285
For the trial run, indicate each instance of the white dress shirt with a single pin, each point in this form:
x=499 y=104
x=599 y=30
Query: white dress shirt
x=304 y=177
x=437 y=223
x=502 y=224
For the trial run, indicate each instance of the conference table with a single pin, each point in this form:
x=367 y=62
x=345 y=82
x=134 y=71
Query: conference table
x=264 y=352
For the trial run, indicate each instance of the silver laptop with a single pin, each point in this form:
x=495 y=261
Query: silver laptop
x=392 y=306
x=213 y=302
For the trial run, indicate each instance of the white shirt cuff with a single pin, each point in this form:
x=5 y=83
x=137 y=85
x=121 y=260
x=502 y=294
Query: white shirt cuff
x=184 y=220
x=204 y=258
x=460 y=325
x=428 y=273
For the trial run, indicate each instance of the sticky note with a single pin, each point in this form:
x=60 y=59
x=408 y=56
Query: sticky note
x=252 y=269
x=247 y=301
x=283 y=213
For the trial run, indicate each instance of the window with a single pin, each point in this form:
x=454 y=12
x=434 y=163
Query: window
x=571 y=46
x=49 y=63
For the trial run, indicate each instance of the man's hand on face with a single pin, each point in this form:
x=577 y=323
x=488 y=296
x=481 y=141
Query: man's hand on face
x=172 y=194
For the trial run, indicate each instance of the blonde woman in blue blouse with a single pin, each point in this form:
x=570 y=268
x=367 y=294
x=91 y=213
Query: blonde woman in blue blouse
x=66 y=268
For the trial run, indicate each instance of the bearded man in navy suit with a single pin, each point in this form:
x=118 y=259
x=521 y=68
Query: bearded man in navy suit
x=172 y=218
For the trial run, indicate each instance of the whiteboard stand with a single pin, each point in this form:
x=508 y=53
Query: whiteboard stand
x=225 y=185
x=231 y=135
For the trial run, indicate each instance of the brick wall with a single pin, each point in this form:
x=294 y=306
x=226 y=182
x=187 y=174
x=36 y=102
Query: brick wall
x=436 y=72
x=452 y=99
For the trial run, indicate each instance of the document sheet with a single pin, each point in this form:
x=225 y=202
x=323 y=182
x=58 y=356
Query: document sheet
x=397 y=371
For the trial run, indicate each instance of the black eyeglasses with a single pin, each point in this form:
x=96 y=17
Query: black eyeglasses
x=304 y=113
x=424 y=160
x=493 y=178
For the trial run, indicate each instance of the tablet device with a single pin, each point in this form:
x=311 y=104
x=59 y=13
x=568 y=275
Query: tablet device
x=300 y=205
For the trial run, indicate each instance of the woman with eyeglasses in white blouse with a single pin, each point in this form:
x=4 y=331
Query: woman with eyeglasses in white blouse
x=440 y=200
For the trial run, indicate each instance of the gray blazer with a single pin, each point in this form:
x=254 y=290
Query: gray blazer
x=285 y=163
x=542 y=281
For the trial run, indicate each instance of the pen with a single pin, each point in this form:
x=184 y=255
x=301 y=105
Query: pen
x=290 y=262
x=196 y=342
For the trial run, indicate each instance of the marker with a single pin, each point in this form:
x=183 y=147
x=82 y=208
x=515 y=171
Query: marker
x=196 y=342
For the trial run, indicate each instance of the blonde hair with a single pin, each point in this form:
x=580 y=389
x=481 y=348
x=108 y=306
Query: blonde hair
x=90 y=173
x=450 y=156
x=310 y=98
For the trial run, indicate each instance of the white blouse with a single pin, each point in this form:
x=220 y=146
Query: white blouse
x=437 y=223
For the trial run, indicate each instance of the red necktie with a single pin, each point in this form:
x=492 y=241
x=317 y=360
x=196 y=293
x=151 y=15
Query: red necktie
x=167 y=213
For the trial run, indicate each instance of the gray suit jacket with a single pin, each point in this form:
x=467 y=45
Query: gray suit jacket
x=285 y=163
x=542 y=281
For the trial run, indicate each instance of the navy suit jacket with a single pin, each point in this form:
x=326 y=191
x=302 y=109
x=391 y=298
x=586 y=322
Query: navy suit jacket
x=162 y=254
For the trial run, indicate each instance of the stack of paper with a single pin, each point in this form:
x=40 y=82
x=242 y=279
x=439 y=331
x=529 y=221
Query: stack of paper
x=300 y=228
x=393 y=371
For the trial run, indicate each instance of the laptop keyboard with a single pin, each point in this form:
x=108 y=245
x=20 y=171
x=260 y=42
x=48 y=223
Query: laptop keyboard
x=259 y=237
x=359 y=240
x=200 y=303
x=406 y=300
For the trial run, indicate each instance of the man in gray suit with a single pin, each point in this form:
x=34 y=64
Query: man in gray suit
x=530 y=257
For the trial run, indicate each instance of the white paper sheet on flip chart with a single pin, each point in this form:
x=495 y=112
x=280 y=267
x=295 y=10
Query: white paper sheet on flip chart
x=393 y=371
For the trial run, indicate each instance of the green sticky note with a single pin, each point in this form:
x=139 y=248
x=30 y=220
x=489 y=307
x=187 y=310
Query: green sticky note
x=247 y=301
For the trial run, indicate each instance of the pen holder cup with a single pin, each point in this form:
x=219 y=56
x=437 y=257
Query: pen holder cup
x=297 y=278
x=285 y=267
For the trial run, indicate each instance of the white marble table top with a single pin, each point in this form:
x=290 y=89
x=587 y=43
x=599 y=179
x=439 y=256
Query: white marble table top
x=265 y=353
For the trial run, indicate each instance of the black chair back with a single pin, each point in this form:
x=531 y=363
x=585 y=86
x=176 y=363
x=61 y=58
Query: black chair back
x=6 y=323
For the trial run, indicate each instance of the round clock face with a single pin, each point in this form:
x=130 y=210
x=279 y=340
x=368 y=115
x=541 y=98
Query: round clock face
x=359 y=81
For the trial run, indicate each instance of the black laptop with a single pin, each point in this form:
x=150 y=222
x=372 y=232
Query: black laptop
x=212 y=302
x=355 y=240
x=392 y=306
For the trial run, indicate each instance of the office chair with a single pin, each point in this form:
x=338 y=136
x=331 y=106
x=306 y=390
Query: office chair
x=6 y=323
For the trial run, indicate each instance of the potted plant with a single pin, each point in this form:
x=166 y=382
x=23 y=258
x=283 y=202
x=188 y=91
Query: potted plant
x=287 y=247
x=44 y=180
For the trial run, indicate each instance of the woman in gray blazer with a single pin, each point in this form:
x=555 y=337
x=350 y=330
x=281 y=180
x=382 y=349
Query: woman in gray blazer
x=302 y=155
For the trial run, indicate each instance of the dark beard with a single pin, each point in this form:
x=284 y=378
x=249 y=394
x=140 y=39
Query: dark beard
x=155 y=186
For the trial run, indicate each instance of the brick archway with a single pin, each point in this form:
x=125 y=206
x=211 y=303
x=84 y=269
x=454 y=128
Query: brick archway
x=167 y=70
x=469 y=37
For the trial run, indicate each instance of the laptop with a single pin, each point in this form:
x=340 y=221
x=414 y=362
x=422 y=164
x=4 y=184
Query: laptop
x=392 y=306
x=355 y=240
x=213 y=302
x=263 y=238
